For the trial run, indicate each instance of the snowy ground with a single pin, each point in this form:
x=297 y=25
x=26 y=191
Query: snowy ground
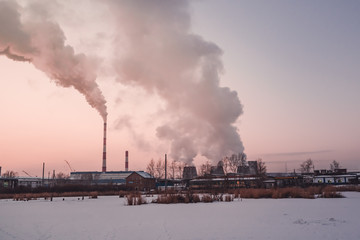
x=109 y=218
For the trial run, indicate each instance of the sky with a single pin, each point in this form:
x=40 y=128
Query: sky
x=277 y=79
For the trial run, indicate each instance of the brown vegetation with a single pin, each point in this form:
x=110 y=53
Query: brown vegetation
x=172 y=196
x=135 y=199
x=93 y=195
x=190 y=197
x=206 y=198
x=348 y=188
x=290 y=192
x=330 y=192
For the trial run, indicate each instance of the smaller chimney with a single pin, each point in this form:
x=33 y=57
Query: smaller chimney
x=0 y=171
x=126 y=161
x=43 y=173
x=165 y=172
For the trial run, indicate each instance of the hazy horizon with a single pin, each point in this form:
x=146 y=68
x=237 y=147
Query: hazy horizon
x=196 y=80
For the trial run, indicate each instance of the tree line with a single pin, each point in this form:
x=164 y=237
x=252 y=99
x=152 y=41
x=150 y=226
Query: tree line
x=308 y=166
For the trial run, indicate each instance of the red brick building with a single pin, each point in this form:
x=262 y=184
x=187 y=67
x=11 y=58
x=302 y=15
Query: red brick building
x=140 y=181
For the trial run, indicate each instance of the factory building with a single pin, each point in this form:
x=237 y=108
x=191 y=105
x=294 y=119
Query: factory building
x=30 y=182
x=189 y=172
x=249 y=169
x=8 y=183
x=217 y=170
x=140 y=181
x=112 y=177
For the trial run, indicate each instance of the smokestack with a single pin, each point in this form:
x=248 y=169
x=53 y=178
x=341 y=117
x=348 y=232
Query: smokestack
x=43 y=173
x=0 y=171
x=126 y=161
x=104 y=150
x=165 y=172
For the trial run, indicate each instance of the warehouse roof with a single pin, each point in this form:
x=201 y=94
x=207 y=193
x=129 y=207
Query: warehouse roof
x=144 y=174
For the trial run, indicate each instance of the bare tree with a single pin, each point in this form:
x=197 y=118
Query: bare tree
x=307 y=166
x=180 y=169
x=10 y=174
x=224 y=164
x=151 y=167
x=205 y=168
x=334 y=165
x=172 y=169
x=61 y=175
x=242 y=158
x=235 y=161
x=160 y=168
x=261 y=168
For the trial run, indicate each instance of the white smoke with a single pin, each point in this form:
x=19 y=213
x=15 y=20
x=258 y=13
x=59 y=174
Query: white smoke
x=27 y=34
x=158 y=52
x=155 y=50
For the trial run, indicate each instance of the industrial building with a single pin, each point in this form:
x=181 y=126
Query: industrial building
x=140 y=181
x=250 y=169
x=112 y=177
x=30 y=182
x=189 y=172
x=218 y=170
x=225 y=182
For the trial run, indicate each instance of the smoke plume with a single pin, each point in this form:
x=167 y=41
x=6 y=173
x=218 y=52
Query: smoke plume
x=27 y=34
x=158 y=52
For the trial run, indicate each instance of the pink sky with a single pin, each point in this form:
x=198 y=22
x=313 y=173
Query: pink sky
x=299 y=102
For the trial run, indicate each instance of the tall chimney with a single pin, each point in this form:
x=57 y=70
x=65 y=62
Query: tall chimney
x=43 y=173
x=126 y=161
x=104 y=150
x=165 y=171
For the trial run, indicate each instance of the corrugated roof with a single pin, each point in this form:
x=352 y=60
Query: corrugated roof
x=144 y=174
x=108 y=175
x=96 y=172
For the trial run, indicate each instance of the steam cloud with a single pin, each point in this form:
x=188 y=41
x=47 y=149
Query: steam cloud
x=37 y=39
x=156 y=50
x=159 y=53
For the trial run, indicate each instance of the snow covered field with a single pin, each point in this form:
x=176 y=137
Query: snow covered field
x=109 y=218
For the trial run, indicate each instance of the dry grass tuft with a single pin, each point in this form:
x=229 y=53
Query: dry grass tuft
x=229 y=198
x=330 y=192
x=135 y=199
x=206 y=198
x=93 y=195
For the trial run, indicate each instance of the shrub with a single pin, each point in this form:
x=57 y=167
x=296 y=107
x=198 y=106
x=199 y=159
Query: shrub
x=171 y=198
x=18 y=197
x=256 y=193
x=237 y=193
x=191 y=198
x=135 y=199
x=206 y=198
x=93 y=195
x=349 y=188
x=217 y=197
x=122 y=194
x=291 y=192
x=177 y=198
x=229 y=198
x=330 y=192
